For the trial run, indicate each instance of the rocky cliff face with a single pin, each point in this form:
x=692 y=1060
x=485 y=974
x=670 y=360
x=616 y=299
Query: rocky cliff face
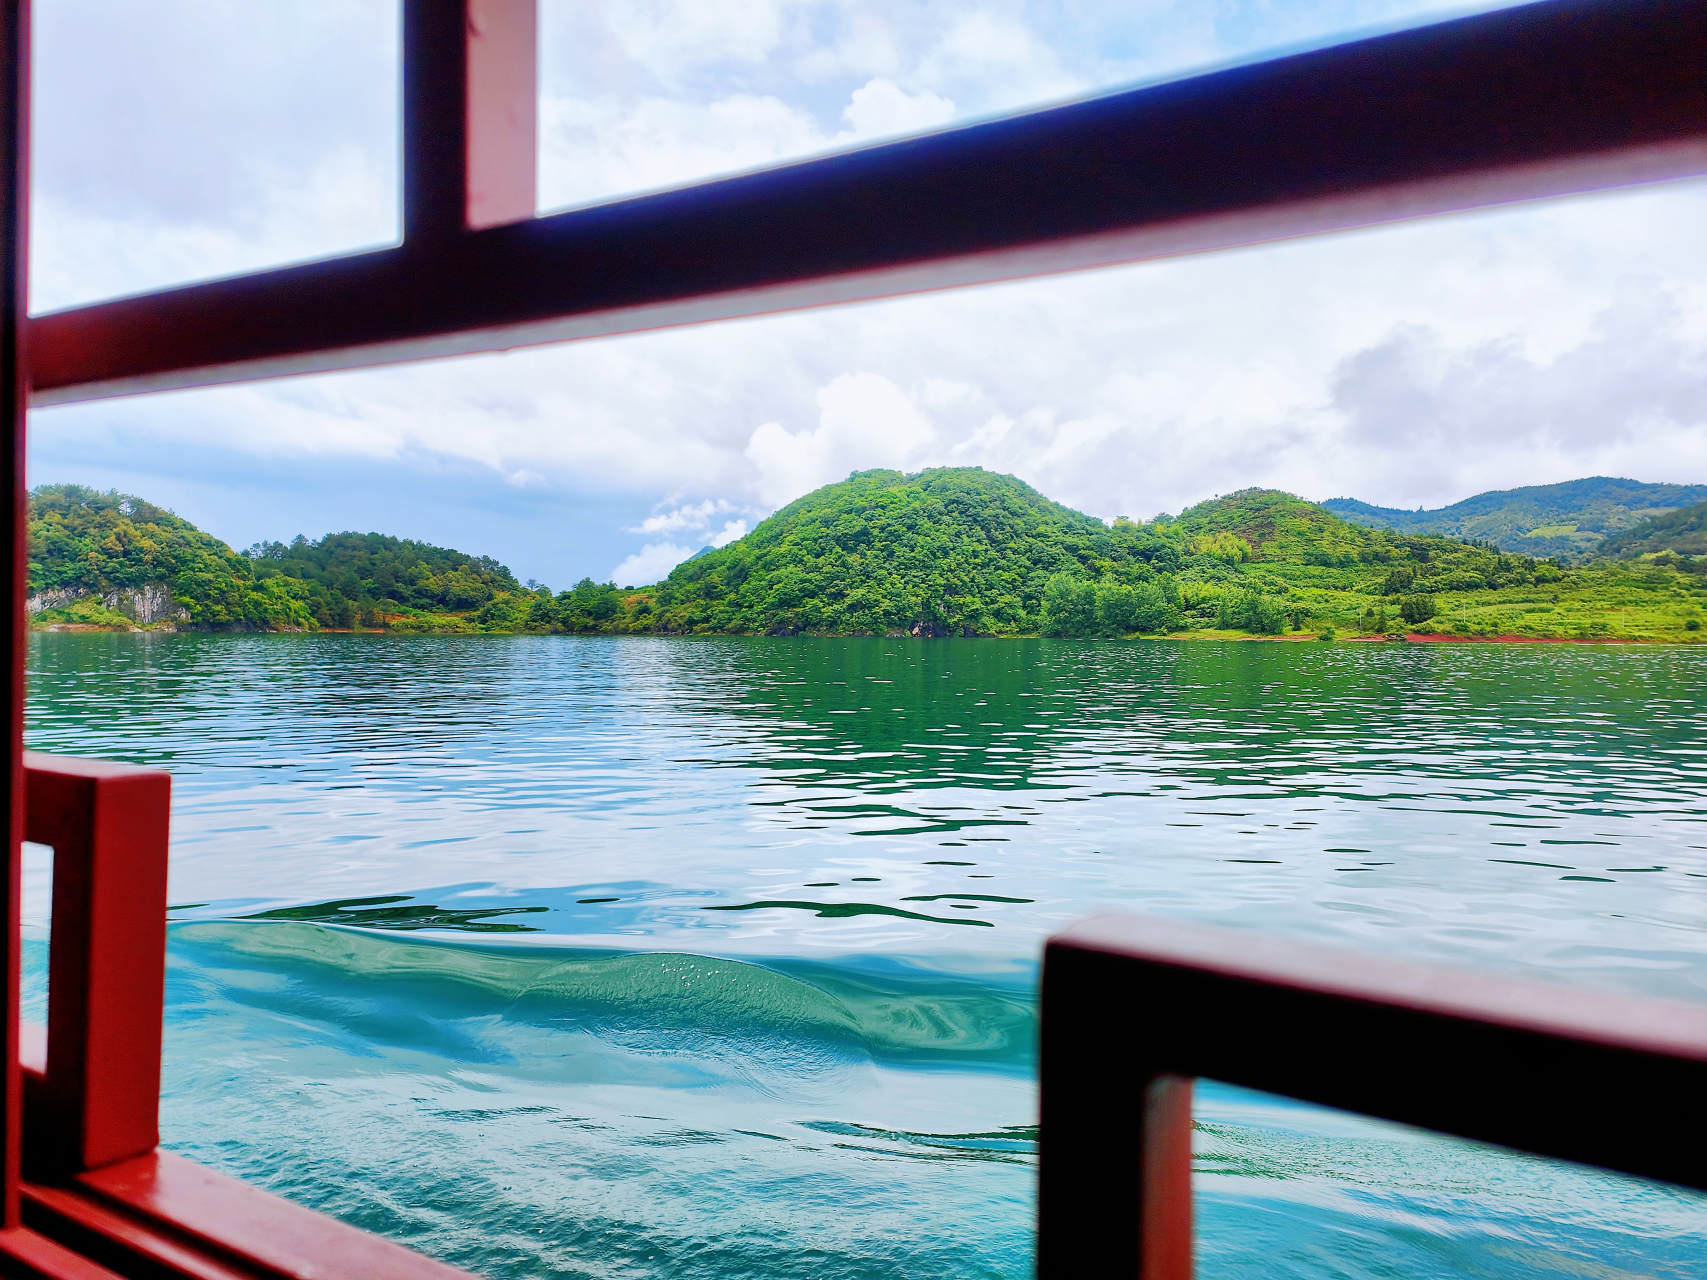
x=144 y=605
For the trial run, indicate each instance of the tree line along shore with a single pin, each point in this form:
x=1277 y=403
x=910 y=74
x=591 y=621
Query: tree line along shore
x=942 y=552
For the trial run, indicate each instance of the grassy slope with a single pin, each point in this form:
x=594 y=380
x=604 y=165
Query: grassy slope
x=1567 y=520
x=1681 y=533
x=1640 y=600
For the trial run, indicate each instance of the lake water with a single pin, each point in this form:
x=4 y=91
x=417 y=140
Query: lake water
x=622 y=957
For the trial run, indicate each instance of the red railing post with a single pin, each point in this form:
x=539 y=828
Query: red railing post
x=1133 y=1006
x=1114 y=1195
x=100 y=1097
x=1165 y=1227
x=14 y=393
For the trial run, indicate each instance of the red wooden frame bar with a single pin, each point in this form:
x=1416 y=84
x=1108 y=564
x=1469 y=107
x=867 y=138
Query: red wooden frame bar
x=1534 y=101
x=163 y=1215
x=1134 y=1006
x=14 y=256
x=98 y=1099
x=96 y=1187
x=470 y=103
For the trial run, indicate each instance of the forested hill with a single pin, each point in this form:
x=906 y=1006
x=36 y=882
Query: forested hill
x=114 y=559
x=100 y=558
x=1568 y=520
x=1676 y=533
x=347 y=574
x=965 y=551
x=944 y=551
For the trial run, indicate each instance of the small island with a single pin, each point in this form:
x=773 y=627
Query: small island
x=951 y=551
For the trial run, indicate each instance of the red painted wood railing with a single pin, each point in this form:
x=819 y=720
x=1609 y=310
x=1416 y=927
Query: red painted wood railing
x=98 y=1198
x=1536 y=100
x=1135 y=1008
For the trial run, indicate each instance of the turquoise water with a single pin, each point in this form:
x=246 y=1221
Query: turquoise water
x=655 y=957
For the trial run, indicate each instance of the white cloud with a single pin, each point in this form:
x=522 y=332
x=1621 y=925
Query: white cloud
x=1634 y=385
x=1005 y=55
x=179 y=142
x=652 y=563
x=689 y=516
x=602 y=146
x=731 y=530
x=671 y=39
x=880 y=106
x=865 y=421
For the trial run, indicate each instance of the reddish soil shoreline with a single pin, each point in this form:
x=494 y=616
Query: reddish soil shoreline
x=1435 y=637
x=1418 y=637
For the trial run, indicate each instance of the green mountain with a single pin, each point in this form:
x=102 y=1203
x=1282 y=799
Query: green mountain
x=964 y=551
x=111 y=559
x=1567 y=520
x=1680 y=533
x=351 y=575
x=945 y=551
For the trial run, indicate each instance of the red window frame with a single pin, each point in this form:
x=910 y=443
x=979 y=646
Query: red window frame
x=1542 y=100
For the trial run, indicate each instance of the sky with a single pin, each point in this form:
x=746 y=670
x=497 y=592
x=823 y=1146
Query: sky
x=1407 y=366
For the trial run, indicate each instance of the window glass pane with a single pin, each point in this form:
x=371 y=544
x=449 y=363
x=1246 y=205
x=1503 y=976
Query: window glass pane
x=641 y=96
x=197 y=138
x=36 y=920
x=658 y=952
x=1282 y=1188
x=1408 y=366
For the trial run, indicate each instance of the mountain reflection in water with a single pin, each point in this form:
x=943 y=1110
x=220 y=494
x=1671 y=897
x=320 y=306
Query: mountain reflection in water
x=650 y=956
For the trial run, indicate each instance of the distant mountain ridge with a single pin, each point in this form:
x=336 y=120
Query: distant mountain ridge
x=1568 y=520
x=1681 y=532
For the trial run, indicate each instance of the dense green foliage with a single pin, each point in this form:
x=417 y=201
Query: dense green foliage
x=89 y=548
x=1074 y=606
x=1252 y=611
x=93 y=554
x=962 y=551
x=351 y=577
x=949 y=551
x=1677 y=533
x=1565 y=520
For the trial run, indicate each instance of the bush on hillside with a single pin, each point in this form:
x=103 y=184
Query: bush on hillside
x=1251 y=611
x=1229 y=548
x=1400 y=579
x=1417 y=609
x=1069 y=607
x=1076 y=608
